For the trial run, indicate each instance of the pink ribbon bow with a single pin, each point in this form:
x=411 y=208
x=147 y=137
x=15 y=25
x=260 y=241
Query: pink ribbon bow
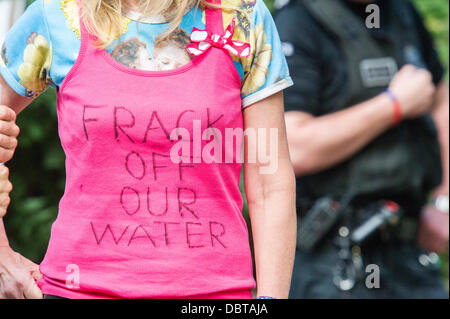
x=202 y=40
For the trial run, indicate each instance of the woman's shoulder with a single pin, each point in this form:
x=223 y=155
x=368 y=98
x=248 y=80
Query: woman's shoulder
x=63 y=16
x=249 y=16
x=265 y=71
x=28 y=49
x=247 y=11
x=245 y=5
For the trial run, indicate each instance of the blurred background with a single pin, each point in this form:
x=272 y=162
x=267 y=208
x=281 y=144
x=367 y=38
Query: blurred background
x=37 y=169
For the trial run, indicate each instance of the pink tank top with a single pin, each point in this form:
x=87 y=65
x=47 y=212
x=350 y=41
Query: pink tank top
x=134 y=223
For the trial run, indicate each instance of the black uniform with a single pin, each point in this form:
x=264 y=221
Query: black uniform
x=327 y=69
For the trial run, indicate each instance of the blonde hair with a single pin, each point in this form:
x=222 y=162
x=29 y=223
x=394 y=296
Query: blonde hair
x=104 y=18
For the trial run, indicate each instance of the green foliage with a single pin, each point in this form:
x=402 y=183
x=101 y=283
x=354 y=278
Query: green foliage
x=37 y=169
x=37 y=173
x=436 y=13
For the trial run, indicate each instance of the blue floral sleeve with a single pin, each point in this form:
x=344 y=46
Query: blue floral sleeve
x=266 y=71
x=26 y=54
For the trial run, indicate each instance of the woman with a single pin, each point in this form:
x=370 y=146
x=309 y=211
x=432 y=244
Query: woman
x=152 y=207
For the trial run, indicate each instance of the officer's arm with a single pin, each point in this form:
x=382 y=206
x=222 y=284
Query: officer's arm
x=441 y=117
x=317 y=143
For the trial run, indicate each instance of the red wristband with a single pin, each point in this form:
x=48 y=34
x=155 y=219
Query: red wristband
x=397 y=107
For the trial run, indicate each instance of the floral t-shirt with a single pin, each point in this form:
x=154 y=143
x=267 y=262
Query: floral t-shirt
x=44 y=43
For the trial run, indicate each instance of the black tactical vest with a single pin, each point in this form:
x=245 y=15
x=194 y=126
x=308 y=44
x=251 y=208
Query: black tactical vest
x=404 y=160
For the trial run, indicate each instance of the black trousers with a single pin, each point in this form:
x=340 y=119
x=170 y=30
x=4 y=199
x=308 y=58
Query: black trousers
x=402 y=276
x=53 y=297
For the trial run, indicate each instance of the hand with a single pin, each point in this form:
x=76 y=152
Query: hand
x=415 y=91
x=8 y=133
x=18 y=276
x=433 y=230
x=5 y=188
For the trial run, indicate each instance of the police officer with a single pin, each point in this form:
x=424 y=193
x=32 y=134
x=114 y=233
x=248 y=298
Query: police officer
x=367 y=121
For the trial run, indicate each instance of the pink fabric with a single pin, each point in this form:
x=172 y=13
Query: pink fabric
x=132 y=223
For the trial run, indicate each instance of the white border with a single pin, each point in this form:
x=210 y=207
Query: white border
x=266 y=92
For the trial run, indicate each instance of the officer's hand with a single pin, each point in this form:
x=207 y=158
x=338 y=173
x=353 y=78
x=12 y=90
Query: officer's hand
x=434 y=230
x=18 y=276
x=5 y=188
x=415 y=91
x=8 y=133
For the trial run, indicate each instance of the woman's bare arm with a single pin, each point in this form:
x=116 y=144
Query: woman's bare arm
x=271 y=199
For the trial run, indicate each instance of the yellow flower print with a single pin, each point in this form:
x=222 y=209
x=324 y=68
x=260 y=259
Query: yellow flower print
x=243 y=17
x=256 y=68
x=71 y=12
x=34 y=71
